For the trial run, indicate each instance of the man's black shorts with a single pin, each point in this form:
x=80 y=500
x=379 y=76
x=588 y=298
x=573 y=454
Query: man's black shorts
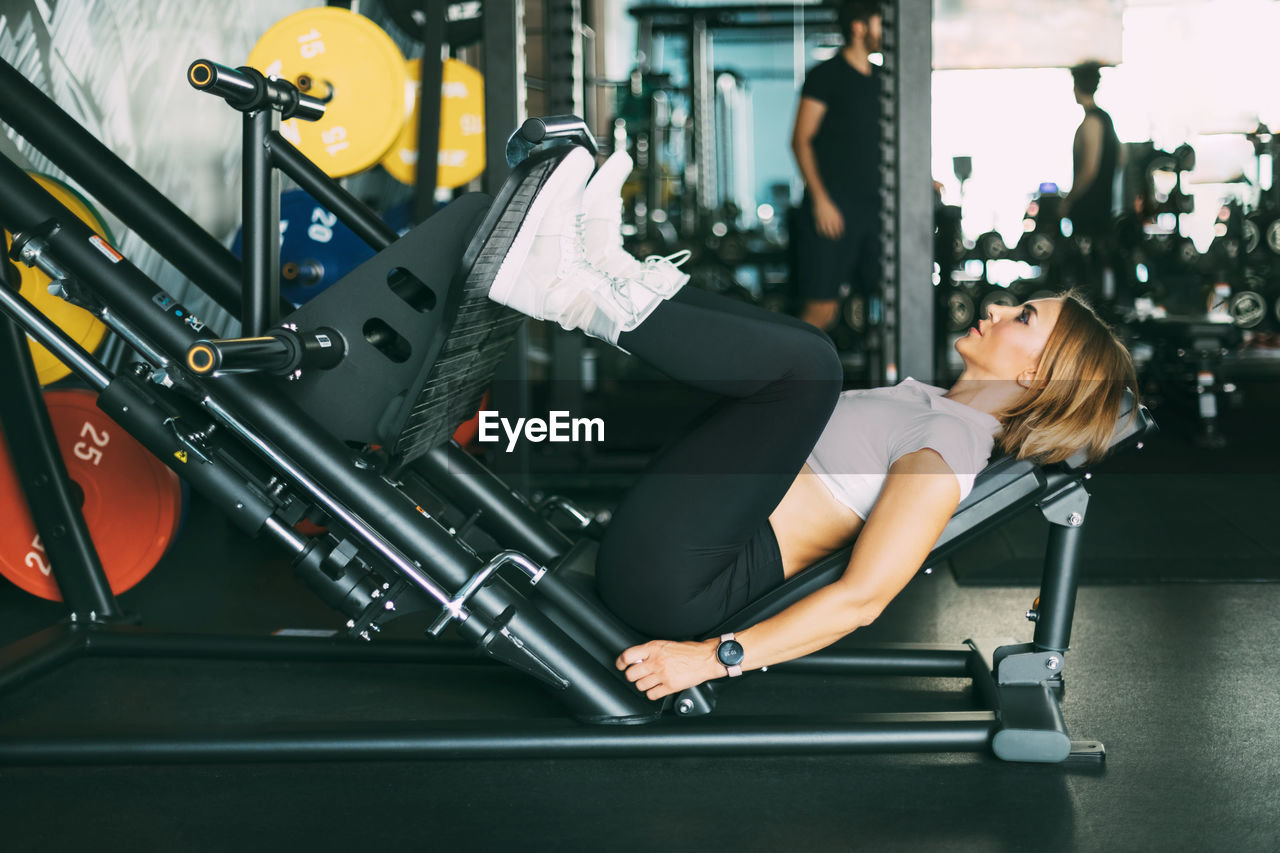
x=823 y=265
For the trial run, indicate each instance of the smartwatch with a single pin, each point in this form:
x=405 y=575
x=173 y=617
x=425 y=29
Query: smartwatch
x=730 y=654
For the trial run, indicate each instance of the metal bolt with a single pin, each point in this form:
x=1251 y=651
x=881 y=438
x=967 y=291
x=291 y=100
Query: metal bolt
x=685 y=706
x=391 y=605
x=1075 y=519
x=364 y=635
x=1052 y=663
x=351 y=623
x=1140 y=445
x=362 y=465
x=1033 y=615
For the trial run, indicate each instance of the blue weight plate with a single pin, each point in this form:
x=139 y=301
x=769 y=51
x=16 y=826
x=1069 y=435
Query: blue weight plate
x=315 y=248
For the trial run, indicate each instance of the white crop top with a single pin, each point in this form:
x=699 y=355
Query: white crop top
x=871 y=429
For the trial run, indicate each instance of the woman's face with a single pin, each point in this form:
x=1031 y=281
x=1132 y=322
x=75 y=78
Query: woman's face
x=1009 y=341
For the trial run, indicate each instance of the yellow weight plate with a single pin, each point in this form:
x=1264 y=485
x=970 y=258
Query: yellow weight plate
x=461 y=128
x=332 y=53
x=81 y=326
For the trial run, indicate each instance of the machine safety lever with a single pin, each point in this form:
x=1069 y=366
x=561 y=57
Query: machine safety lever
x=456 y=609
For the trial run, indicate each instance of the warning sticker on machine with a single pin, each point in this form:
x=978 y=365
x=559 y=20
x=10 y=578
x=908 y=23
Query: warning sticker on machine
x=105 y=248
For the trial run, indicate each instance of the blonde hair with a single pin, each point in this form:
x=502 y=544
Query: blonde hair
x=1074 y=403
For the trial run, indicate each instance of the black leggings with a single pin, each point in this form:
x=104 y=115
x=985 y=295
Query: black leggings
x=691 y=543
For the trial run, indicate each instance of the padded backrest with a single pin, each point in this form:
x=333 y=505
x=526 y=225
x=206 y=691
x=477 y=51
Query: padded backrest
x=1133 y=423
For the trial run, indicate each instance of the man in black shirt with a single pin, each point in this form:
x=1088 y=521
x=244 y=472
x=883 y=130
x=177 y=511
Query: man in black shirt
x=1095 y=154
x=1094 y=157
x=836 y=141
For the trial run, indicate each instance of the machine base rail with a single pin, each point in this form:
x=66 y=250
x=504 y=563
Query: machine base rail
x=39 y=653
x=1026 y=725
x=719 y=736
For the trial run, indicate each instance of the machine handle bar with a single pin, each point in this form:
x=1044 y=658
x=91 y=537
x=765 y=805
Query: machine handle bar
x=248 y=90
x=283 y=351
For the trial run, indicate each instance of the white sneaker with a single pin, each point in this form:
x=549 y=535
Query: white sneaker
x=546 y=214
x=600 y=224
x=555 y=281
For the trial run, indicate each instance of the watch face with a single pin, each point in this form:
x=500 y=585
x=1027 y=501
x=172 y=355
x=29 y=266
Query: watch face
x=730 y=653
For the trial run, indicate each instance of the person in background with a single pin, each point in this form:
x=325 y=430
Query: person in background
x=836 y=141
x=1095 y=154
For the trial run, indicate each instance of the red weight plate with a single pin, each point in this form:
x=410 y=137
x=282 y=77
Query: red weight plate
x=466 y=432
x=132 y=502
x=308 y=529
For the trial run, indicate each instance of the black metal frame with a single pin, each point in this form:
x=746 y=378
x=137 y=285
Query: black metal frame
x=265 y=151
x=909 y=340
x=558 y=635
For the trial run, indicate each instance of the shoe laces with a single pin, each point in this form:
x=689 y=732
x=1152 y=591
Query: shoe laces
x=676 y=259
x=620 y=286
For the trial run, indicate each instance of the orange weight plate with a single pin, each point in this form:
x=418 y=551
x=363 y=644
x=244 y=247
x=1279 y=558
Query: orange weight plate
x=467 y=431
x=131 y=502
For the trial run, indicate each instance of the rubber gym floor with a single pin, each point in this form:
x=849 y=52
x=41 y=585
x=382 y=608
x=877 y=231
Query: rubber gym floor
x=1173 y=647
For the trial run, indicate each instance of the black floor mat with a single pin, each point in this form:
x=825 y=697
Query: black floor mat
x=1146 y=528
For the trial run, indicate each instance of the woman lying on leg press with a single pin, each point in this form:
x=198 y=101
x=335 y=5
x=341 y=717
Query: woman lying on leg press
x=785 y=469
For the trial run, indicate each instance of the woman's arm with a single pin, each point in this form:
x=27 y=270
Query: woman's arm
x=919 y=496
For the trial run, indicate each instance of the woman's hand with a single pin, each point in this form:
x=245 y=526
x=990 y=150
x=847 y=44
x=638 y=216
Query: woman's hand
x=828 y=219
x=661 y=667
